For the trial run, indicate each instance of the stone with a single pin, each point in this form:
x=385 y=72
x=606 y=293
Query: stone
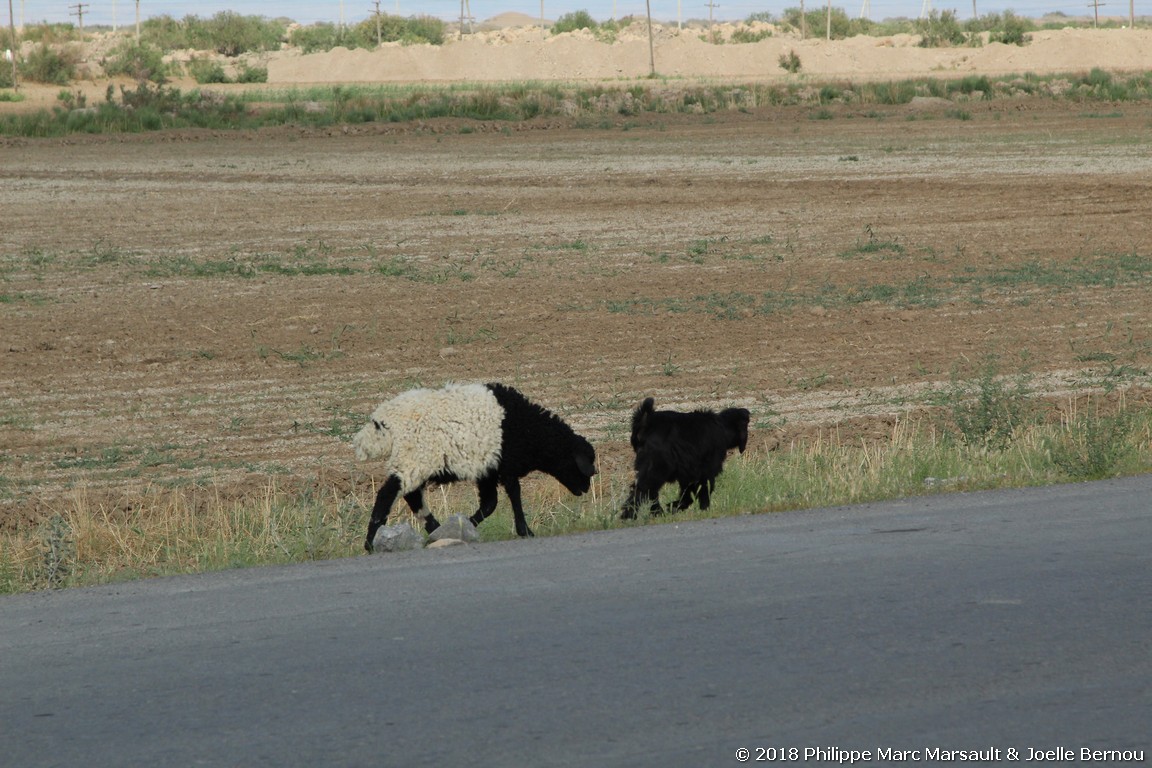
x=442 y=543
x=456 y=527
x=397 y=537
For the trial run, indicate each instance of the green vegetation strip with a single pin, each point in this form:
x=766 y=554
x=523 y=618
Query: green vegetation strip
x=151 y=107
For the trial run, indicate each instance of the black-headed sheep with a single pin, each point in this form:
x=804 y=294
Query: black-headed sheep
x=487 y=433
x=686 y=448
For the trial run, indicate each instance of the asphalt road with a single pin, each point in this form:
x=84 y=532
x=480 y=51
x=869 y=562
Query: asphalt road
x=992 y=621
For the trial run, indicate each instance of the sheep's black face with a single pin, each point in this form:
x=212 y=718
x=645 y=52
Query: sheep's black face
x=578 y=472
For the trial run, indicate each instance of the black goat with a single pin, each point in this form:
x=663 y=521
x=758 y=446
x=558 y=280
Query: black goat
x=687 y=448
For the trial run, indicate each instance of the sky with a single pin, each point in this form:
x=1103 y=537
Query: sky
x=123 y=12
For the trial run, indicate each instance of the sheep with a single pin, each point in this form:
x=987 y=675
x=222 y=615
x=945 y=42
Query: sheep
x=487 y=433
x=688 y=448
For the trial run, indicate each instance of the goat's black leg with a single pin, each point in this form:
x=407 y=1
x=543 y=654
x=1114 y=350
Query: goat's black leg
x=646 y=489
x=415 y=501
x=628 y=511
x=687 y=494
x=487 y=489
x=384 y=499
x=512 y=488
x=704 y=494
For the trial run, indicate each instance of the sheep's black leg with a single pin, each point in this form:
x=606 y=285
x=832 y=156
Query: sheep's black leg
x=384 y=499
x=487 y=489
x=512 y=488
x=416 y=504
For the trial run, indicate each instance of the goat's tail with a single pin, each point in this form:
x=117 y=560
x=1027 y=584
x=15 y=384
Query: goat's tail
x=640 y=421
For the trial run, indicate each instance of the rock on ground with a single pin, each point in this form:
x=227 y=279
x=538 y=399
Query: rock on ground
x=397 y=537
x=456 y=527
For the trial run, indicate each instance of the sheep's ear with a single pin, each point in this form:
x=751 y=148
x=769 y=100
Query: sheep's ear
x=380 y=426
x=584 y=465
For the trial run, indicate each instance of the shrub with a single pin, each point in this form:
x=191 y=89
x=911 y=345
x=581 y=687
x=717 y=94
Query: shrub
x=1091 y=447
x=940 y=29
x=574 y=21
x=141 y=62
x=322 y=36
x=1009 y=28
x=987 y=412
x=50 y=34
x=250 y=74
x=206 y=71
x=746 y=35
x=49 y=65
x=166 y=33
x=424 y=29
x=232 y=34
x=815 y=23
x=790 y=62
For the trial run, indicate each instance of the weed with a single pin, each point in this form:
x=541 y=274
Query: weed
x=1091 y=446
x=987 y=412
x=58 y=552
x=790 y=62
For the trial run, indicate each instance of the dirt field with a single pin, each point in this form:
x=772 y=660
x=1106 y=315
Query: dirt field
x=225 y=309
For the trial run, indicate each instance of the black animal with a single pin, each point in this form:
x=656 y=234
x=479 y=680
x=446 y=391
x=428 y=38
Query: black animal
x=685 y=448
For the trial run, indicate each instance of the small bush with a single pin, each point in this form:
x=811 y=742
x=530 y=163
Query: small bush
x=987 y=413
x=1092 y=446
x=232 y=34
x=50 y=65
x=1010 y=29
x=322 y=36
x=746 y=35
x=141 y=62
x=574 y=21
x=424 y=29
x=250 y=74
x=206 y=71
x=940 y=29
x=790 y=62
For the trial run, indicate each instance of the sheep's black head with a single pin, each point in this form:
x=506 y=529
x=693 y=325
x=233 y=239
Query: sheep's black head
x=578 y=470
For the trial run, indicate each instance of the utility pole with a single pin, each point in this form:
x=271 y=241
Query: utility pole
x=711 y=35
x=828 y=23
x=651 y=47
x=15 y=48
x=79 y=13
x=1096 y=13
x=465 y=17
x=377 y=3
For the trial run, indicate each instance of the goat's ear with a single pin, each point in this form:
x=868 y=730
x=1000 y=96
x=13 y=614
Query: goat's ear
x=584 y=465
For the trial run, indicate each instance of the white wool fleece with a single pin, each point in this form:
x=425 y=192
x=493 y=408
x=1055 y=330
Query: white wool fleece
x=427 y=432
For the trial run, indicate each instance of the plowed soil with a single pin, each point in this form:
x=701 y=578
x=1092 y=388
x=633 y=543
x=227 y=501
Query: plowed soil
x=219 y=309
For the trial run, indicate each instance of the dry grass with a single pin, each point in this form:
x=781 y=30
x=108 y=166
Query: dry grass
x=155 y=531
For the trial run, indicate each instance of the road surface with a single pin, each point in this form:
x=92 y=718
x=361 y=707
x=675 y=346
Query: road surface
x=1013 y=620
